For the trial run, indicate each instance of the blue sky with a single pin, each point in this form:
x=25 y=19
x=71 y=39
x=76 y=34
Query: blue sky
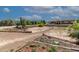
x=39 y=12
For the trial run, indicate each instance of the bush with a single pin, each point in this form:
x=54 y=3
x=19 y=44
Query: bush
x=75 y=25
x=55 y=43
x=33 y=46
x=52 y=49
x=33 y=50
x=40 y=25
x=75 y=34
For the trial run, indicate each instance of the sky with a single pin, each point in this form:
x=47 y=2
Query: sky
x=39 y=12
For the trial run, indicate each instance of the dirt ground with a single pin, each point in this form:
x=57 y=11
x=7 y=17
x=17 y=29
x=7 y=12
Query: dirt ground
x=13 y=40
x=37 y=29
x=61 y=33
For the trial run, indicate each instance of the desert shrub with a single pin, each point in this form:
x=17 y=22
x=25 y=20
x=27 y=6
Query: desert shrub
x=40 y=25
x=73 y=30
x=33 y=46
x=43 y=47
x=75 y=34
x=11 y=50
x=33 y=50
x=55 y=43
x=74 y=26
x=52 y=49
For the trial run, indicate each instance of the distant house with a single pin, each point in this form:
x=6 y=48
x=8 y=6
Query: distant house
x=61 y=22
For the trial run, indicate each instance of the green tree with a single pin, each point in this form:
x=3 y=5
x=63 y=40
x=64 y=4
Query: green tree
x=17 y=24
x=22 y=22
x=7 y=22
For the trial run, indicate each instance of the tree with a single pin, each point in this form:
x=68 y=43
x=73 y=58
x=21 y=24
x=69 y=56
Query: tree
x=44 y=22
x=7 y=22
x=17 y=24
x=22 y=22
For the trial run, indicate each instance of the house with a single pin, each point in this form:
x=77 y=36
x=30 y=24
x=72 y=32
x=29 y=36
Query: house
x=60 y=22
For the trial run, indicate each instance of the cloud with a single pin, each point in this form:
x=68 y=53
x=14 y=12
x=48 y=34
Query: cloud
x=62 y=11
x=36 y=17
x=38 y=9
x=57 y=10
x=42 y=8
x=65 y=12
x=6 y=10
x=26 y=9
x=73 y=8
x=33 y=17
x=56 y=18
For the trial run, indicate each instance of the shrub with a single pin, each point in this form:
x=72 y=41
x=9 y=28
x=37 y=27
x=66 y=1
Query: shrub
x=43 y=47
x=33 y=50
x=11 y=50
x=33 y=46
x=52 y=49
x=75 y=34
x=40 y=25
x=75 y=25
x=55 y=43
